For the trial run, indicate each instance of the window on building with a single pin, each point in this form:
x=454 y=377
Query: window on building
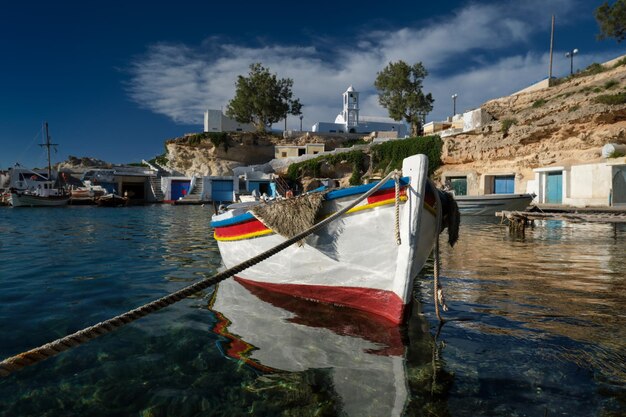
x=283 y=154
x=301 y=151
x=315 y=152
x=457 y=184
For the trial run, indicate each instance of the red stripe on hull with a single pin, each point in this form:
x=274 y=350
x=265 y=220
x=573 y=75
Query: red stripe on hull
x=239 y=229
x=382 y=303
x=384 y=195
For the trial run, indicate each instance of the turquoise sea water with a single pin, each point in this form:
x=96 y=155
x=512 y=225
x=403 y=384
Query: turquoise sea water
x=537 y=326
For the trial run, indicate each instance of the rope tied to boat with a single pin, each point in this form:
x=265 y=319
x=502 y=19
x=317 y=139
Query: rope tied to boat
x=396 y=177
x=438 y=297
x=36 y=355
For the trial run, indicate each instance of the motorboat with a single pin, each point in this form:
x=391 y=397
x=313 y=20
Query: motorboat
x=489 y=204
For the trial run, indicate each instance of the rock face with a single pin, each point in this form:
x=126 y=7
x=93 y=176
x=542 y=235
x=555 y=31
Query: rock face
x=207 y=158
x=76 y=164
x=558 y=126
x=203 y=157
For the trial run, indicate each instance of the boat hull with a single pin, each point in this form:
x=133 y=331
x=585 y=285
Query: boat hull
x=354 y=261
x=27 y=200
x=488 y=205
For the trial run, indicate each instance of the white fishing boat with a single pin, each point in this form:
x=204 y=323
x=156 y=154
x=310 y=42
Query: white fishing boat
x=489 y=204
x=365 y=260
x=29 y=188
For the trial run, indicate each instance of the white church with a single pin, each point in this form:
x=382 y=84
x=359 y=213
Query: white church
x=349 y=120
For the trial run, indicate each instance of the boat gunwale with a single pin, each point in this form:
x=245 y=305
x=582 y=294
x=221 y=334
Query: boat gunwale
x=332 y=195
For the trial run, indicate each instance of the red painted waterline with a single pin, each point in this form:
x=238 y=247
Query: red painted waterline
x=383 y=303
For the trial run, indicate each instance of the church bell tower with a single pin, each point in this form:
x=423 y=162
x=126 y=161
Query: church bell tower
x=351 y=109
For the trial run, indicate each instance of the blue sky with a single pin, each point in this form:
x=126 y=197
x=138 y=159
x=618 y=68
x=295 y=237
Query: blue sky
x=116 y=79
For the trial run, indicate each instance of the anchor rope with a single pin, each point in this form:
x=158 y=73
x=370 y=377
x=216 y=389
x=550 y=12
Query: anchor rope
x=397 y=209
x=438 y=297
x=48 y=350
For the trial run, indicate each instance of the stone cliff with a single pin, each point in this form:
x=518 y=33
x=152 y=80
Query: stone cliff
x=558 y=126
x=211 y=154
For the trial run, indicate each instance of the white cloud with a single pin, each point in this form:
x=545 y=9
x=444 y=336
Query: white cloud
x=487 y=44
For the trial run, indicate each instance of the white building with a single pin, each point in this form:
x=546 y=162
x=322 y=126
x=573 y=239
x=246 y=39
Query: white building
x=216 y=121
x=585 y=185
x=349 y=120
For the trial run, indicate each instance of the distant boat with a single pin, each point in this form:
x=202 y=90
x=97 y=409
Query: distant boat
x=111 y=200
x=88 y=194
x=356 y=261
x=34 y=189
x=489 y=204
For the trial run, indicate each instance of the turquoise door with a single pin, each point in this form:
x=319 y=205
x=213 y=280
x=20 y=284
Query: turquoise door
x=554 y=187
x=619 y=186
x=459 y=185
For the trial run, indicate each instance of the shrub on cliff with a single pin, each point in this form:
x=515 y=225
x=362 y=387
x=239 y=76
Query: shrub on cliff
x=313 y=167
x=611 y=99
x=389 y=155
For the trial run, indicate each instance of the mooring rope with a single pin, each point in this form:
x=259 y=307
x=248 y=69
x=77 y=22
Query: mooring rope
x=438 y=297
x=48 y=350
x=397 y=209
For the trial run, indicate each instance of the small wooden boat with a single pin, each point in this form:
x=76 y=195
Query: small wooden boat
x=355 y=261
x=111 y=200
x=489 y=204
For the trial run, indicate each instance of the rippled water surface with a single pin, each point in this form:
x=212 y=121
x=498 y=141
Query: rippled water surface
x=536 y=326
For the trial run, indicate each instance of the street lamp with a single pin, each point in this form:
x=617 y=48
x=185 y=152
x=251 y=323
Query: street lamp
x=570 y=55
x=454 y=96
x=301 y=116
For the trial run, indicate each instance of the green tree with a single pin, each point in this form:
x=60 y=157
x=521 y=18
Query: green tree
x=399 y=88
x=262 y=99
x=612 y=20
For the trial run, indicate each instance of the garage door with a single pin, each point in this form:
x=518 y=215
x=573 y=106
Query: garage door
x=180 y=188
x=222 y=190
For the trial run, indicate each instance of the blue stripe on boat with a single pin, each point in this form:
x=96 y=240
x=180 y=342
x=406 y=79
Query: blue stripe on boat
x=360 y=189
x=233 y=220
x=332 y=195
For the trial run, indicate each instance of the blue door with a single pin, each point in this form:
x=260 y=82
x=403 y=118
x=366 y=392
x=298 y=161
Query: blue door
x=554 y=187
x=504 y=184
x=222 y=190
x=180 y=188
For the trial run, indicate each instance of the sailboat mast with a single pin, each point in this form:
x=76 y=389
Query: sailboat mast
x=48 y=145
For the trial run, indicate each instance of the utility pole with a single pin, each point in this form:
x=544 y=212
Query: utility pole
x=551 y=51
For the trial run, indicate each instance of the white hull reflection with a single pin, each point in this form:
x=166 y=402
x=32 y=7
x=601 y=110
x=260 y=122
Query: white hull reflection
x=274 y=332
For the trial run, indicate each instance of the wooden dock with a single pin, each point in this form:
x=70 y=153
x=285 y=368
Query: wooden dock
x=604 y=217
x=518 y=220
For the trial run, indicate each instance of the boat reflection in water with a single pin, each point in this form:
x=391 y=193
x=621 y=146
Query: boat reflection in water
x=371 y=364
